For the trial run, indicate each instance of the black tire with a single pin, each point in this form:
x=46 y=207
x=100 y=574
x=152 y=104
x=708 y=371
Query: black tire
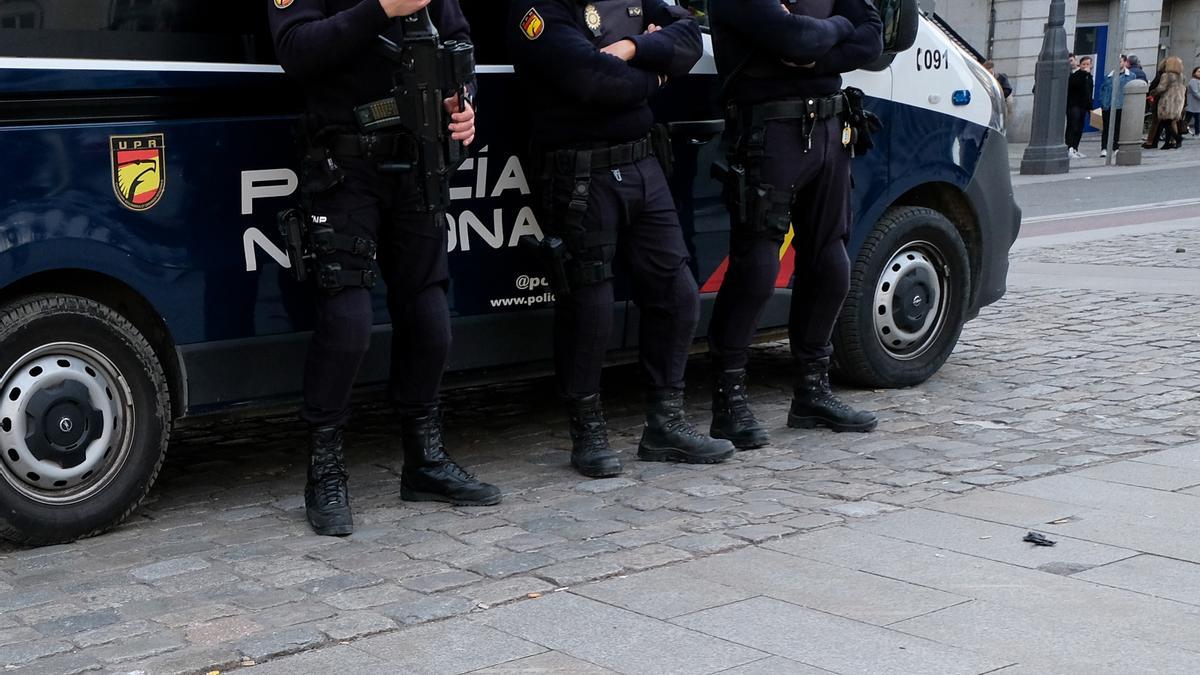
x=874 y=340
x=119 y=400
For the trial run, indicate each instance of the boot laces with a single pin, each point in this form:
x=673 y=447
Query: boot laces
x=678 y=424
x=331 y=483
x=825 y=395
x=452 y=467
x=739 y=406
x=443 y=460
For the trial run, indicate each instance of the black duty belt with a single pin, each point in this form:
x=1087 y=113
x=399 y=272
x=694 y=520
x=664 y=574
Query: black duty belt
x=798 y=108
x=370 y=145
x=612 y=156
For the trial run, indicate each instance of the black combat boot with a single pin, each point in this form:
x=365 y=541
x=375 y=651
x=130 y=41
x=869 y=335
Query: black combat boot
x=669 y=437
x=591 y=455
x=326 y=495
x=429 y=475
x=732 y=418
x=815 y=405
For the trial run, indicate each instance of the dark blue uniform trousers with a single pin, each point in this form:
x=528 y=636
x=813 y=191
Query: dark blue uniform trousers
x=820 y=177
x=387 y=209
x=651 y=250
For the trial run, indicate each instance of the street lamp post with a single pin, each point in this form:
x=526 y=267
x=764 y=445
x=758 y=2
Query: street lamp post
x=1047 y=151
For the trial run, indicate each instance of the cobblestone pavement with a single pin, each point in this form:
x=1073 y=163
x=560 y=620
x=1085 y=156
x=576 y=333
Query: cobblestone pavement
x=218 y=569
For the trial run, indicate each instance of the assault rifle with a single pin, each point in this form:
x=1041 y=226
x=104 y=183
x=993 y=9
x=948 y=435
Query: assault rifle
x=428 y=71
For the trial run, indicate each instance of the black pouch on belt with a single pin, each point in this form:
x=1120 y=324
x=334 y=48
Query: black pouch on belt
x=660 y=142
x=863 y=123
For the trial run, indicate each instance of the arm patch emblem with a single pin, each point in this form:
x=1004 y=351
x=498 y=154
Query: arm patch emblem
x=532 y=25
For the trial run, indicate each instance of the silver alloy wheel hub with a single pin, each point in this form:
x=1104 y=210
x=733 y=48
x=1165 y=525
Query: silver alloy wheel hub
x=910 y=301
x=65 y=423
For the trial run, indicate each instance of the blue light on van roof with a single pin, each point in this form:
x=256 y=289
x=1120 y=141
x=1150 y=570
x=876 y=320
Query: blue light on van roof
x=962 y=97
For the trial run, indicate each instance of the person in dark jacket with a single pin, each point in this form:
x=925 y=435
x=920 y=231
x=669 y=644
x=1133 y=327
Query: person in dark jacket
x=589 y=70
x=781 y=69
x=1080 y=88
x=363 y=211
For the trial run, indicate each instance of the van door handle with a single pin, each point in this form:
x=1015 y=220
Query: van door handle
x=698 y=132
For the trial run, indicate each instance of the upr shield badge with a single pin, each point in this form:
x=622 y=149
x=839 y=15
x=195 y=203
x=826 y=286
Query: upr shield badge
x=139 y=165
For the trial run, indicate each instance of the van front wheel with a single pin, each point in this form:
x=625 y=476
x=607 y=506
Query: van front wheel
x=909 y=292
x=84 y=418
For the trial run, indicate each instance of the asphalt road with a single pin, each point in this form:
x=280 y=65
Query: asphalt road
x=1166 y=177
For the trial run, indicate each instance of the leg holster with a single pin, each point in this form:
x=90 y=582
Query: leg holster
x=311 y=240
x=756 y=209
x=566 y=179
x=309 y=244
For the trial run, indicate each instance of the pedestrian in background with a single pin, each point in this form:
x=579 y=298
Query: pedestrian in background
x=1156 y=127
x=1079 y=105
x=1135 y=67
x=1193 y=101
x=1005 y=87
x=1122 y=77
x=1171 y=96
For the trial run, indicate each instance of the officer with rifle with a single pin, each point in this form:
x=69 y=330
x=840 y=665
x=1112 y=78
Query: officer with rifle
x=589 y=68
x=791 y=133
x=388 y=85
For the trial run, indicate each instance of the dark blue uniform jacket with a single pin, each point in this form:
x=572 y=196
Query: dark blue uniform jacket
x=770 y=47
x=578 y=94
x=330 y=47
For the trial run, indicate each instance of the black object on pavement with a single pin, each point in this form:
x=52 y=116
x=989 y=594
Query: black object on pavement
x=1038 y=539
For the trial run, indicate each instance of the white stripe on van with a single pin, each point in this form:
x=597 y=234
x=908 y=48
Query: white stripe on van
x=17 y=63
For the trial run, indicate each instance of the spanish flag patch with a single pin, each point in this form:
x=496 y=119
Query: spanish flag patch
x=533 y=25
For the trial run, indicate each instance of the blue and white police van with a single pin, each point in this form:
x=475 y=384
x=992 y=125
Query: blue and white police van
x=147 y=145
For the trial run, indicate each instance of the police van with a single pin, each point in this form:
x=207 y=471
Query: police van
x=148 y=144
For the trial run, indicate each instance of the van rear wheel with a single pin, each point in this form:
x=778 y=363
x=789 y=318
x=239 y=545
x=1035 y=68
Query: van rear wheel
x=84 y=418
x=909 y=293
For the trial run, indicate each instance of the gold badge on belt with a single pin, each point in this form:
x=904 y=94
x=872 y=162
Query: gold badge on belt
x=591 y=16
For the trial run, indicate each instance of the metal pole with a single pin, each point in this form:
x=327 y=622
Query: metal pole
x=1047 y=151
x=1115 y=50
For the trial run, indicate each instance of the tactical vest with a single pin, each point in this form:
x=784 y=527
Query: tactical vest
x=610 y=21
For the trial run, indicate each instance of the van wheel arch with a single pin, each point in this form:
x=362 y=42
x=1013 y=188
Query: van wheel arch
x=124 y=300
x=952 y=203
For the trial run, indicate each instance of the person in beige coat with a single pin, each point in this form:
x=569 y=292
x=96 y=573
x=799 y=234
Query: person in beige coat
x=1171 y=96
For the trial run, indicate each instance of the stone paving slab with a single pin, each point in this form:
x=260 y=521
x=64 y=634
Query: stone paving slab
x=1145 y=474
x=1153 y=575
x=447 y=647
x=992 y=541
x=828 y=588
x=1047 y=645
x=1052 y=594
x=776 y=665
x=1107 y=496
x=831 y=642
x=615 y=638
x=546 y=663
x=666 y=593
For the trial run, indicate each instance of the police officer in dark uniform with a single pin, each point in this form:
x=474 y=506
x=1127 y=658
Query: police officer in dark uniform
x=366 y=198
x=791 y=135
x=589 y=69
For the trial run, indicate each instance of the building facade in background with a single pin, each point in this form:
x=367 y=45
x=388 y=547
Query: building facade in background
x=1010 y=33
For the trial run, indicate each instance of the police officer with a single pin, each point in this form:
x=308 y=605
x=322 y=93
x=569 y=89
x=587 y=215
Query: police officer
x=589 y=69
x=791 y=133
x=366 y=207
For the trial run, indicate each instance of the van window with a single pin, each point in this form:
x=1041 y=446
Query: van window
x=221 y=31
x=486 y=17
x=698 y=9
